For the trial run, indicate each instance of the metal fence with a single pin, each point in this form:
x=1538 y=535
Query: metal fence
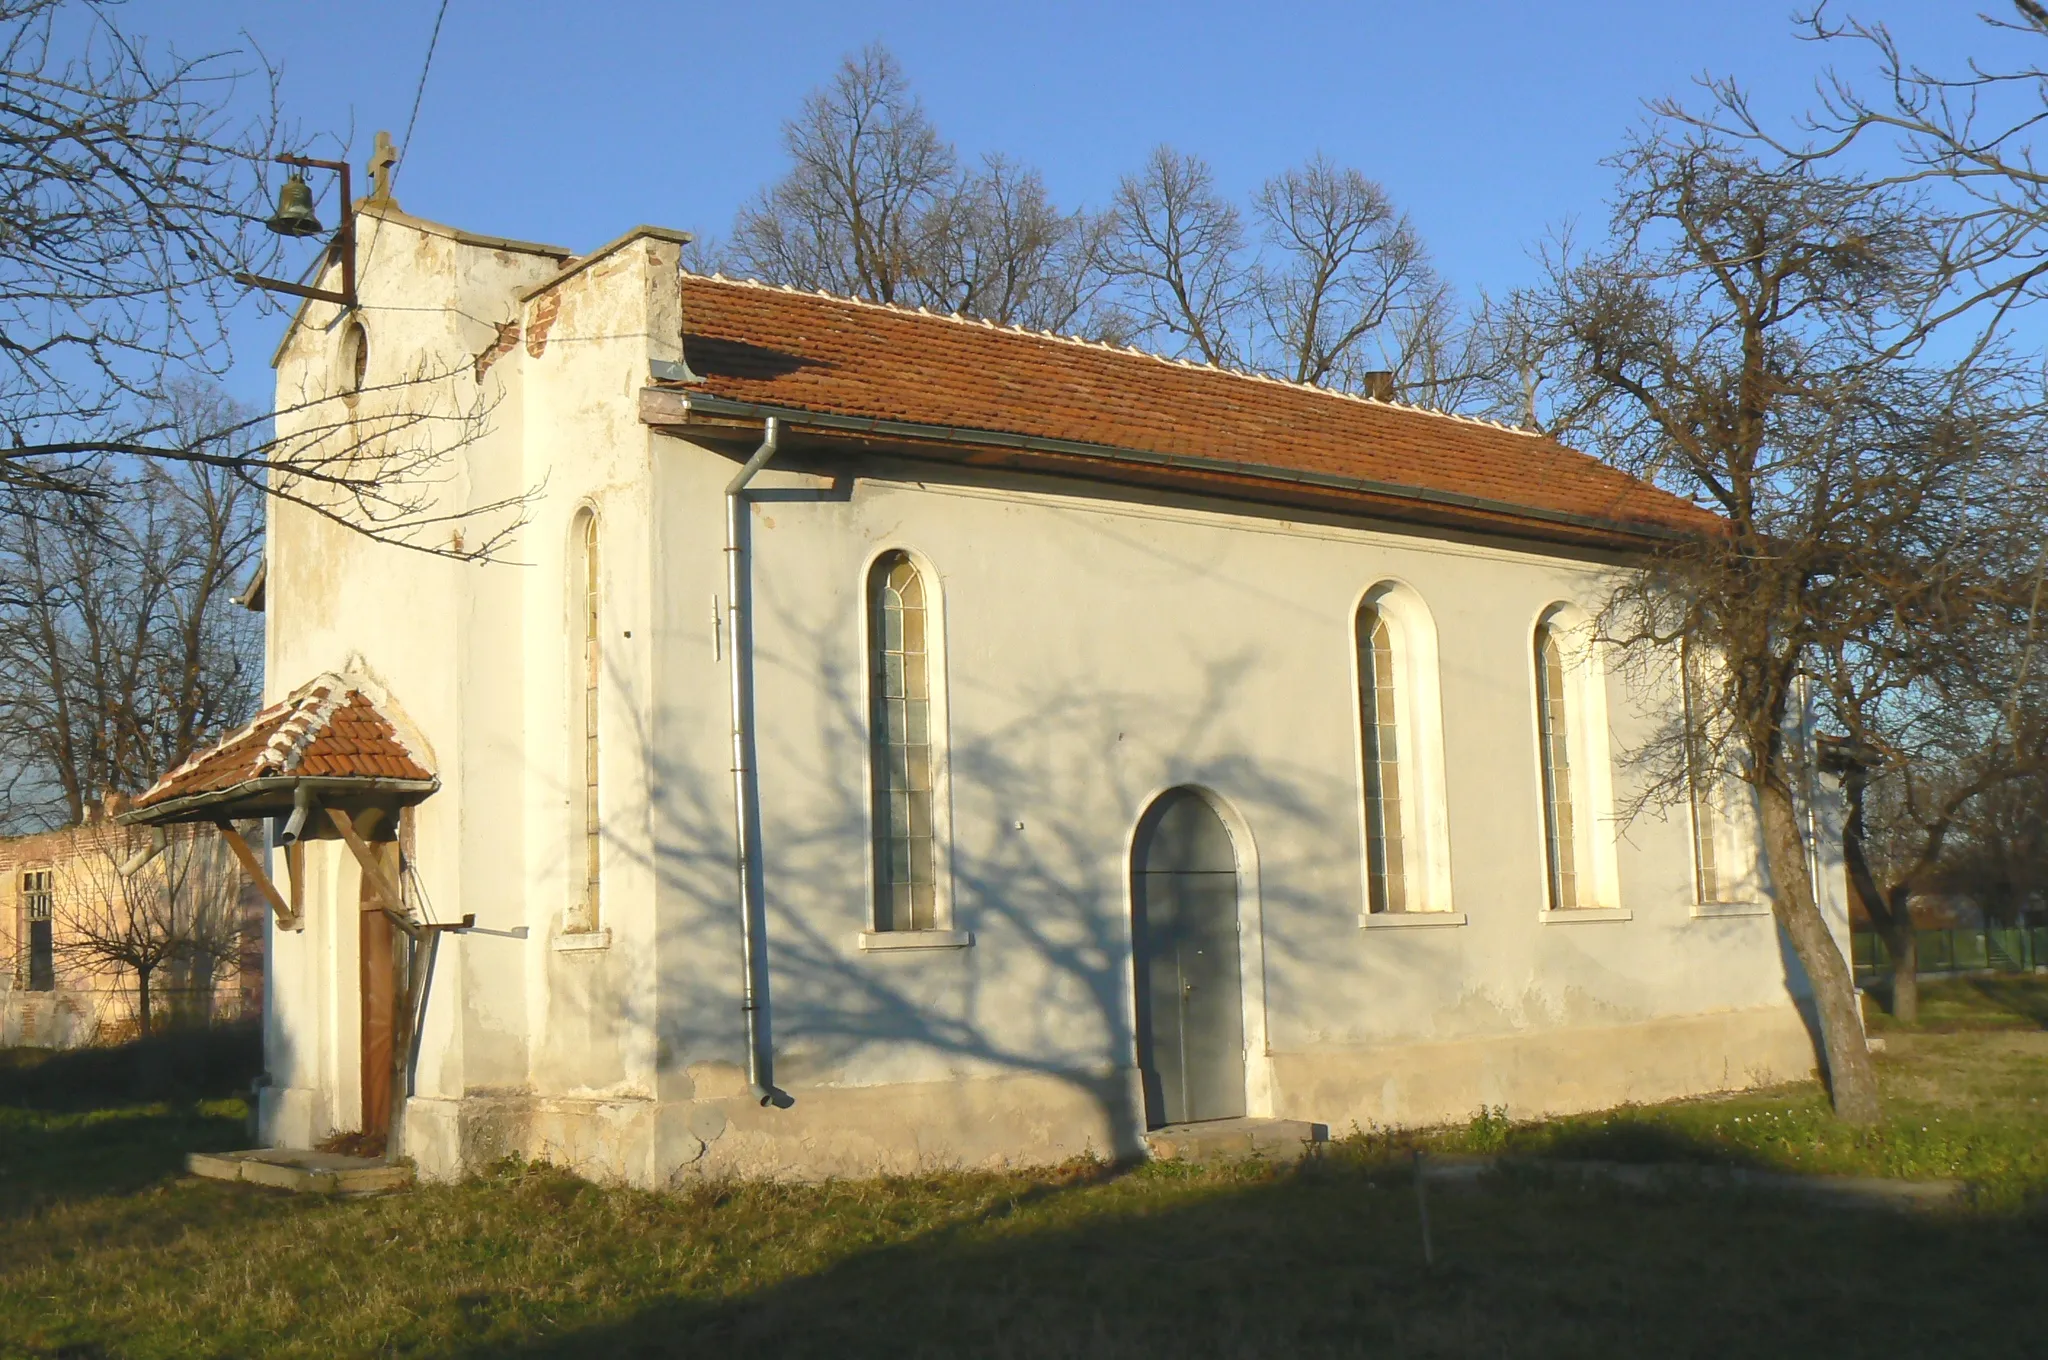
x=2007 y=950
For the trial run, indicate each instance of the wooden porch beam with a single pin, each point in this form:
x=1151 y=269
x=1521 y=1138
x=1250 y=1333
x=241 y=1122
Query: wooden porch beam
x=288 y=916
x=391 y=900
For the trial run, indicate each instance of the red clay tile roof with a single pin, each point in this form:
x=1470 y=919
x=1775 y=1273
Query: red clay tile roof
x=326 y=728
x=774 y=347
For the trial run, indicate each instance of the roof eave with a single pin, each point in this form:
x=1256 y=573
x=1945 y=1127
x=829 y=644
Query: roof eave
x=669 y=406
x=216 y=803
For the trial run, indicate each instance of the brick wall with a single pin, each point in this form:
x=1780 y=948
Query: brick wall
x=92 y=1001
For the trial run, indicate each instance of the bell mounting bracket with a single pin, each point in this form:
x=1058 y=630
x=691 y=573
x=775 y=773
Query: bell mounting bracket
x=343 y=244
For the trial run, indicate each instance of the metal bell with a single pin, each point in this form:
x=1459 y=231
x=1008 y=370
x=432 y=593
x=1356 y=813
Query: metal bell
x=294 y=215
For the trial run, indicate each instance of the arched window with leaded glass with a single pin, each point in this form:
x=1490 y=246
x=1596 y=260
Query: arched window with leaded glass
x=1380 y=728
x=1728 y=865
x=905 y=754
x=1403 y=814
x=1554 y=725
x=1575 y=765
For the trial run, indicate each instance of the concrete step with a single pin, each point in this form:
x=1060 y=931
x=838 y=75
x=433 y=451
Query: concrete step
x=1236 y=1140
x=320 y=1173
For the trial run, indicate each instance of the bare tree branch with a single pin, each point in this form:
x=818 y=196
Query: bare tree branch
x=1346 y=271
x=179 y=915
x=121 y=649
x=1174 y=246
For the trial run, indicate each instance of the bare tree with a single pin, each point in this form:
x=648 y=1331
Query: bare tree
x=1966 y=136
x=877 y=205
x=1948 y=708
x=180 y=914
x=1934 y=686
x=121 y=648
x=134 y=186
x=1999 y=852
x=1737 y=340
x=1347 y=285
x=1174 y=246
x=995 y=246
x=870 y=170
x=132 y=193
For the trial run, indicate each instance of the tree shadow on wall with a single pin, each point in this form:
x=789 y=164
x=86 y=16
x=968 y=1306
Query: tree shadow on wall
x=1045 y=989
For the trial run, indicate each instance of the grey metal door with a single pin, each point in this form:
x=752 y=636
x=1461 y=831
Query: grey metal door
x=1190 y=1000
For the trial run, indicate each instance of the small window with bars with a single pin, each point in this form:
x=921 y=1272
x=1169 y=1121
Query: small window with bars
x=38 y=901
x=38 y=898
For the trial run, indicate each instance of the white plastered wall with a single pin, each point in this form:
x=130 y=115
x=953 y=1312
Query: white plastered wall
x=1098 y=652
x=448 y=645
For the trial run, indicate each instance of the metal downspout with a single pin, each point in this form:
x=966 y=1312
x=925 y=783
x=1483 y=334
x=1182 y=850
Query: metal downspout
x=745 y=802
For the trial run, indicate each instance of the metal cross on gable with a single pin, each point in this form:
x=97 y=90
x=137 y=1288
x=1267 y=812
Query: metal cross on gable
x=383 y=159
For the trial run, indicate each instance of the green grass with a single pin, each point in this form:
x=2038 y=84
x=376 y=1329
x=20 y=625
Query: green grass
x=1961 y=1105
x=1950 y=1004
x=101 y=1256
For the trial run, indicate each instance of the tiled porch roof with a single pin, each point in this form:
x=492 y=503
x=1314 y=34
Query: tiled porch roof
x=327 y=729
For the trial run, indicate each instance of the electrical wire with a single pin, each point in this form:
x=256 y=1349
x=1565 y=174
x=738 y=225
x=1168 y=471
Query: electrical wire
x=405 y=142
x=419 y=91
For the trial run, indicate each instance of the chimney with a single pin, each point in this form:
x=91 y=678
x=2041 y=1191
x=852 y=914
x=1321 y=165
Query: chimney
x=1379 y=384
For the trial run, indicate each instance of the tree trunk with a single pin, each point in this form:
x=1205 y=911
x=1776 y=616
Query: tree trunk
x=1904 y=946
x=1891 y=912
x=1852 y=1082
x=142 y=1000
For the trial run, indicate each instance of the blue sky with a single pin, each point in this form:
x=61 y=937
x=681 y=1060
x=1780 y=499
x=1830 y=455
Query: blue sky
x=570 y=123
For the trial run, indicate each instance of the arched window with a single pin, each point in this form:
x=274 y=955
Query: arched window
x=1554 y=724
x=1380 y=730
x=354 y=359
x=583 y=592
x=1706 y=831
x=1726 y=863
x=1403 y=816
x=904 y=749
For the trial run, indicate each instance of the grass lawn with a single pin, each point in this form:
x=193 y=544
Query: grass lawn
x=106 y=1251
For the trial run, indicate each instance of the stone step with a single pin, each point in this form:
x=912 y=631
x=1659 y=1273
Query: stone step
x=319 y=1173
x=1236 y=1140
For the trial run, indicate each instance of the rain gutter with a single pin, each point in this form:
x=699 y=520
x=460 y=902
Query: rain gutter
x=704 y=403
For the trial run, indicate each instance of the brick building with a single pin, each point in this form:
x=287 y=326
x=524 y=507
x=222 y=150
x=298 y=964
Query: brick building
x=60 y=889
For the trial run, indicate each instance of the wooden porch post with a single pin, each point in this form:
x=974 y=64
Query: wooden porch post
x=378 y=955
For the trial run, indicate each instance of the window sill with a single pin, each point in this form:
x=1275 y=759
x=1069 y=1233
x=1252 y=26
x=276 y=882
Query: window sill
x=876 y=941
x=1707 y=909
x=583 y=941
x=1587 y=914
x=1409 y=920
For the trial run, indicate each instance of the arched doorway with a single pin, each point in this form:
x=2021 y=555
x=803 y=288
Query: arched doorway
x=1185 y=937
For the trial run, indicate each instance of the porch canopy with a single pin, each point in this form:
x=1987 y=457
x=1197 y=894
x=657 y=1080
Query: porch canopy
x=329 y=760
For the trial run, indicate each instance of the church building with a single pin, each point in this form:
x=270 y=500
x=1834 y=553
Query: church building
x=887 y=740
